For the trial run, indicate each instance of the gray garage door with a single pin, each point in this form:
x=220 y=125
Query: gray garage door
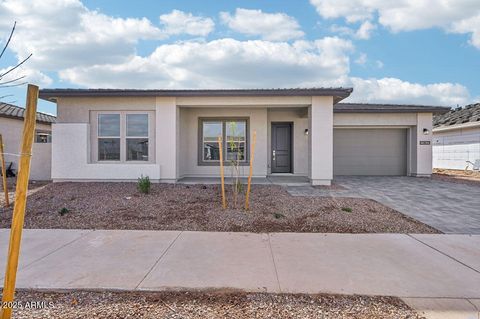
x=369 y=151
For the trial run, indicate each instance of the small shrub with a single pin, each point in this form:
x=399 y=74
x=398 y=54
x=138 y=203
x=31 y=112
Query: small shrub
x=278 y=215
x=144 y=184
x=63 y=211
x=347 y=209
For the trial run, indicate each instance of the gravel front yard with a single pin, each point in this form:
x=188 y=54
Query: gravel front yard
x=198 y=207
x=210 y=305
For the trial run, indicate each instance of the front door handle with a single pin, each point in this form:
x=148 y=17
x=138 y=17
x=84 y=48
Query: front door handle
x=273 y=154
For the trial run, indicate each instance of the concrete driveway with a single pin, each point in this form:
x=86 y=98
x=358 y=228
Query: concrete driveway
x=452 y=208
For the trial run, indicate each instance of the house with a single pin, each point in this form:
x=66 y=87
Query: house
x=456 y=138
x=11 y=129
x=111 y=134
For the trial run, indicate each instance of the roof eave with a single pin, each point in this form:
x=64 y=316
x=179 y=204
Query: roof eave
x=337 y=93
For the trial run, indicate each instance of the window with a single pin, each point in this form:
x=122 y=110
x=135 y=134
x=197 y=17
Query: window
x=43 y=136
x=234 y=135
x=123 y=136
x=137 y=137
x=109 y=137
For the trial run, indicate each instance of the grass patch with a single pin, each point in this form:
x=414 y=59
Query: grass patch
x=347 y=209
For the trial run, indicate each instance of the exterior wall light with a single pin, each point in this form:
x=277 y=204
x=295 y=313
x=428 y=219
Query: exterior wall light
x=426 y=131
x=306 y=131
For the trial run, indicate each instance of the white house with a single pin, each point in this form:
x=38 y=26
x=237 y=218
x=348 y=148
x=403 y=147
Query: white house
x=456 y=138
x=11 y=128
x=111 y=134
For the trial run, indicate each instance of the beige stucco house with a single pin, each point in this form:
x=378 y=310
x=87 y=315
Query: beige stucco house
x=110 y=134
x=11 y=128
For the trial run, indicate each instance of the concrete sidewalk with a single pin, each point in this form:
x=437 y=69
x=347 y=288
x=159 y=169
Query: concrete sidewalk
x=407 y=266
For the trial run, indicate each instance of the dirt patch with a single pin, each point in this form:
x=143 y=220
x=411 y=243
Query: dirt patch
x=210 y=305
x=198 y=208
x=457 y=176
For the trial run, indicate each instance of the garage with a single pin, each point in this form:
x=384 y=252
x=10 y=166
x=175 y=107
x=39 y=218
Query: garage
x=369 y=151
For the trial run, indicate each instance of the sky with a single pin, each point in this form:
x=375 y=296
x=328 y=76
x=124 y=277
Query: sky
x=398 y=51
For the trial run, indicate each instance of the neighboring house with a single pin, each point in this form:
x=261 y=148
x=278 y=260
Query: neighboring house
x=456 y=138
x=109 y=134
x=11 y=128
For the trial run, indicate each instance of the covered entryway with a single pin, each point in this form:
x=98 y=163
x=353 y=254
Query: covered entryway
x=370 y=151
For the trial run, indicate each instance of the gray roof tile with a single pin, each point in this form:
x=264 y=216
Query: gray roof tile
x=13 y=111
x=460 y=115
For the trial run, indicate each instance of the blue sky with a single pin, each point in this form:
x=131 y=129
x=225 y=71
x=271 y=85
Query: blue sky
x=422 y=52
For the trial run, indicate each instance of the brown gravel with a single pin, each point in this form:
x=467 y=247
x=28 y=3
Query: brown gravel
x=210 y=305
x=457 y=176
x=198 y=207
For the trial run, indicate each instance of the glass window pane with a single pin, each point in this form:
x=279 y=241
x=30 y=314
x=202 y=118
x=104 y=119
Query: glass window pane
x=211 y=130
x=108 y=149
x=236 y=151
x=43 y=137
x=137 y=149
x=211 y=151
x=236 y=130
x=109 y=125
x=137 y=125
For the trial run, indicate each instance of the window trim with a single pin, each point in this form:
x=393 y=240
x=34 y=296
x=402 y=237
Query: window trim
x=223 y=119
x=123 y=137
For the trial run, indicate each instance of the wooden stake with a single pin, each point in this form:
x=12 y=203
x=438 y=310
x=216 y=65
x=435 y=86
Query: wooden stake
x=20 y=200
x=252 y=155
x=220 y=147
x=4 y=172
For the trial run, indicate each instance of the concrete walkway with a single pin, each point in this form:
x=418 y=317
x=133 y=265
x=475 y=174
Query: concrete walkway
x=407 y=266
x=453 y=208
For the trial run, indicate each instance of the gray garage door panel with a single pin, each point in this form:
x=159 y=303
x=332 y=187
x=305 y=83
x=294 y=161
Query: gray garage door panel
x=369 y=151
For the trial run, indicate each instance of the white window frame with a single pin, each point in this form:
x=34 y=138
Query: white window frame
x=123 y=137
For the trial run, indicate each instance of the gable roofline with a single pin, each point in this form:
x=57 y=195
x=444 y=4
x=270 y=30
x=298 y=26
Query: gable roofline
x=8 y=110
x=387 y=108
x=52 y=95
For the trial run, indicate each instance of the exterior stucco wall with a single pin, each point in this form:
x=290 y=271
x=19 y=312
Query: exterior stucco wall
x=11 y=130
x=189 y=140
x=70 y=161
x=299 y=118
x=77 y=110
x=374 y=119
x=320 y=140
x=176 y=135
x=453 y=148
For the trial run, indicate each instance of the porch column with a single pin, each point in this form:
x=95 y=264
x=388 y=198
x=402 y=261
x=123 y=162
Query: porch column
x=167 y=138
x=320 y=140
x=421 y=146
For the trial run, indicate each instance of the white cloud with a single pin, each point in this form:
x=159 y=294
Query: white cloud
x=392 y=90
x=457 y=16
x=91 y=49
x=223 y=63
x=177 y=22
x=362 y=59
x=363 y=33
x=30 y=76
x=379 y=64
x=269 y=26
x=228 y=63
x=65 y=33
x=365 y=30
